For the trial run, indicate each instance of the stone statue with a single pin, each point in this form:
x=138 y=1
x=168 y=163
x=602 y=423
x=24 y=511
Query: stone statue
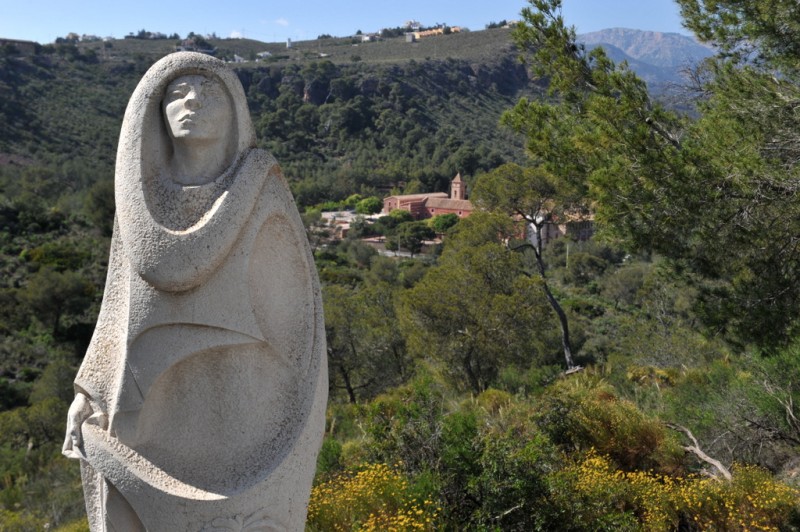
x=200 y=403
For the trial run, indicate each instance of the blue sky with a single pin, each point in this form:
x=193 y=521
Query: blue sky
x=44 y=20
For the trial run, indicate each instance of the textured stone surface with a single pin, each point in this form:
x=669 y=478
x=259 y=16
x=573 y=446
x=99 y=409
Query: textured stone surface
x=200 y=403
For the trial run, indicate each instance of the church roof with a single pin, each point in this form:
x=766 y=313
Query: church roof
x=457 y=178
x=447 y=203
x=414 y=197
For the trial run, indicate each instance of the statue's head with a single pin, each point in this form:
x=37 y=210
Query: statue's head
x=187 y=106
x=185 y=96
x=197 y=107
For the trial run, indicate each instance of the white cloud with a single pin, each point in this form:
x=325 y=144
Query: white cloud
x=236 y=34
x=282 y=22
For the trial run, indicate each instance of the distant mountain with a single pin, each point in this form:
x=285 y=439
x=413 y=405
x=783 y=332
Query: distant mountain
x=652 y=47
x=657 y=57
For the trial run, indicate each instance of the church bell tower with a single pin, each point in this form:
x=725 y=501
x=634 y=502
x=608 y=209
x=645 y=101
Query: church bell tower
x=458 y=189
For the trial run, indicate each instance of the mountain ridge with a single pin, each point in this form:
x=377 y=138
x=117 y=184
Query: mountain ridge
x=657 y=57
x=659 y=49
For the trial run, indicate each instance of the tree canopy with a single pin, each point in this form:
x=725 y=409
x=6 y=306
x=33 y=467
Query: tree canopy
x=717 y=195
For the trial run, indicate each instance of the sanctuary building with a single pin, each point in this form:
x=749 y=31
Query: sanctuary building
x=422 y=206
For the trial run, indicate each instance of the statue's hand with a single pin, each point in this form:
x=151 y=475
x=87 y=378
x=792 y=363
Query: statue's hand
x=79 y=411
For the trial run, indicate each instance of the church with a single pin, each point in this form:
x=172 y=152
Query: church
x=422 y=206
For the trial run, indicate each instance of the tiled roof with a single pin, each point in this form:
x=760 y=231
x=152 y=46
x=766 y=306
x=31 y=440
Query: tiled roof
x=447 y=203
x=413 y=197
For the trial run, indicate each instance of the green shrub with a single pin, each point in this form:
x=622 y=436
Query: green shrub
x=329 y=459
x=405 y=425
x=371 y=205
x=585 y=413
x=511 y=481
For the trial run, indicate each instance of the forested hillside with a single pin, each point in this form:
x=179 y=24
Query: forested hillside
x=644 y=379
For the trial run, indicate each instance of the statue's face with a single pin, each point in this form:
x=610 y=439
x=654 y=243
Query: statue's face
x=197 y=107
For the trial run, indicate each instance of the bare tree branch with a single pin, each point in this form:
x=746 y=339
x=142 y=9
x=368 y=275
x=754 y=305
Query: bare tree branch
x=697 y=451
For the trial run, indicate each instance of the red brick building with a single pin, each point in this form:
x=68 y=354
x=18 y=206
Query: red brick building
x=423 y=206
